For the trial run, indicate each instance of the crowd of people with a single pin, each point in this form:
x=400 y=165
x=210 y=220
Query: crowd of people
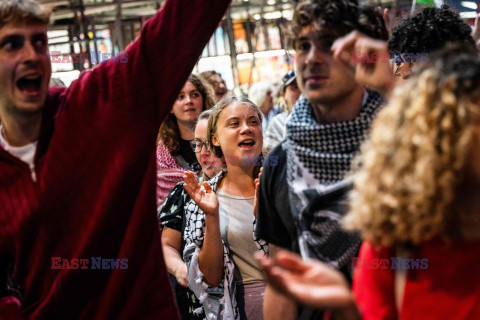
x=350 y=190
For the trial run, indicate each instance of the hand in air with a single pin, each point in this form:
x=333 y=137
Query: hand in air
x=204 y=198
x=311 y=282
x=369 y=57
x=257 y=192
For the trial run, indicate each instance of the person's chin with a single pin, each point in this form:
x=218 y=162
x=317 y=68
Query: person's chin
x=30 y=107
x=316 y=96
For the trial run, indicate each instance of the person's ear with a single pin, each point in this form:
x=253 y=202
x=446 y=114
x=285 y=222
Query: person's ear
x=215 y=141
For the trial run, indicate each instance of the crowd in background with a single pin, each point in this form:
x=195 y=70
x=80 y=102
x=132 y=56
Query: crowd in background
x=399 y=185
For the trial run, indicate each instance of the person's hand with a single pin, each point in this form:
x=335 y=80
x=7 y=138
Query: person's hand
x=311 y=282
x=369 y=57
x=476 y=30
x=257 y=192
x=205 y=199
x=386 y=18
x=181 y=274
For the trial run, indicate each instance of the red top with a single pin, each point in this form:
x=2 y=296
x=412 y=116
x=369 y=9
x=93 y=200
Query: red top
x=95 y=189
x=447 y=287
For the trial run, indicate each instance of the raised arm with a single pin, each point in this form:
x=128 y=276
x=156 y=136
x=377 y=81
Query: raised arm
x=154 y=67
x=210 y=258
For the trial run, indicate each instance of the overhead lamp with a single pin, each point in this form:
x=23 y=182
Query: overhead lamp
x=469 y=4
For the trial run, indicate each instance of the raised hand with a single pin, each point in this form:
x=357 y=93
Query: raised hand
x=309 y=282
x=369 y=57
x=476 y=30
x=257 y=192
x=205 y=199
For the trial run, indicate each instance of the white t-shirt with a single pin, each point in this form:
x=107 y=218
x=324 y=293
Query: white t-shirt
x=25 y=153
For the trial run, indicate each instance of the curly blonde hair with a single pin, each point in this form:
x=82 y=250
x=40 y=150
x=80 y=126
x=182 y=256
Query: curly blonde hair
x=416 y=158
x=169 y=132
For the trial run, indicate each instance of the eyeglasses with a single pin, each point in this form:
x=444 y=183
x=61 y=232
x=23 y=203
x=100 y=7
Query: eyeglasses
x=197 y=145
x=218 y=83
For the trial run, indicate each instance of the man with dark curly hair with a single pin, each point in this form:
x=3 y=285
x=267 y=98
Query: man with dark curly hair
x=299 y=203
x=423 y=33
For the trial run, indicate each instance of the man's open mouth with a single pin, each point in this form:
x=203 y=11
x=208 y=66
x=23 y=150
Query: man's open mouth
x=29 y=84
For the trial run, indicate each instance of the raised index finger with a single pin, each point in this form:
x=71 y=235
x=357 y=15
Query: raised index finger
x=345 y=43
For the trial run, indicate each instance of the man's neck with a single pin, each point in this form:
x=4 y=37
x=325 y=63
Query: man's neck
x=341 y=110
x=20 y=131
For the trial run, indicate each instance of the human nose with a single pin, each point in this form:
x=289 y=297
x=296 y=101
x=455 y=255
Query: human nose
x=204 y=150
x=245 y=127
x=29 y=54
x=314 y=54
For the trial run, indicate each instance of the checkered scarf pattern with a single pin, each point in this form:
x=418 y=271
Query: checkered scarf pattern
x=318 y=158
x=326 y=151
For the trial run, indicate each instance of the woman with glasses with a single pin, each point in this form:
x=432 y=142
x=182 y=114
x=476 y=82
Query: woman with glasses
x=218 y=84
x=172 y=217
x=174 y=154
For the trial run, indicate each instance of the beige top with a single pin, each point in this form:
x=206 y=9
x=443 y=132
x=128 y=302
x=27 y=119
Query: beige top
x=236 y=227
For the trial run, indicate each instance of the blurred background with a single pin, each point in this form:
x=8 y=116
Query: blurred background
x=250 y=45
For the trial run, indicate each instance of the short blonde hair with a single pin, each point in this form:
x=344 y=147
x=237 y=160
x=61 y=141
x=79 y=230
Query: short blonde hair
x=23 y=11
x=416 y=157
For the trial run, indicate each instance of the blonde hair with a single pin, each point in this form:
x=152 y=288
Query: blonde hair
x=228 y=100
x=23 y=11
x=415 y=159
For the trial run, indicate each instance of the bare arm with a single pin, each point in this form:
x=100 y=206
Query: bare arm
x=210 y=258
x=171 y=245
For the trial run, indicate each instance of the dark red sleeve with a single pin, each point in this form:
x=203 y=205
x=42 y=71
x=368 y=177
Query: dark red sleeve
x=373 y=285
x=152 y=70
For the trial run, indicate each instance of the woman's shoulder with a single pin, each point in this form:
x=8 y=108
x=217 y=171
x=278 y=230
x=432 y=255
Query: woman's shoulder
x=165 y=158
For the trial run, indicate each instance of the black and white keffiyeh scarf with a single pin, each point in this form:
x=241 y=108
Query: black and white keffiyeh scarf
x=318 y=158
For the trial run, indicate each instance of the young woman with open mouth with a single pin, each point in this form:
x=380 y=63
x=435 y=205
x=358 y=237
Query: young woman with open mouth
x=220 y=246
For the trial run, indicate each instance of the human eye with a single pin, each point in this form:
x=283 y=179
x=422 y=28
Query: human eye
x=196 y=94
x=303 y=45
x=12 y=43
x=40 y=43
x=181 y=96
x=254 y=121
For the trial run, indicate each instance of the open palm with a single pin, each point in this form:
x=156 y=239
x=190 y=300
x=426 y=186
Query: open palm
x=204 y=198
x=309 y=282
